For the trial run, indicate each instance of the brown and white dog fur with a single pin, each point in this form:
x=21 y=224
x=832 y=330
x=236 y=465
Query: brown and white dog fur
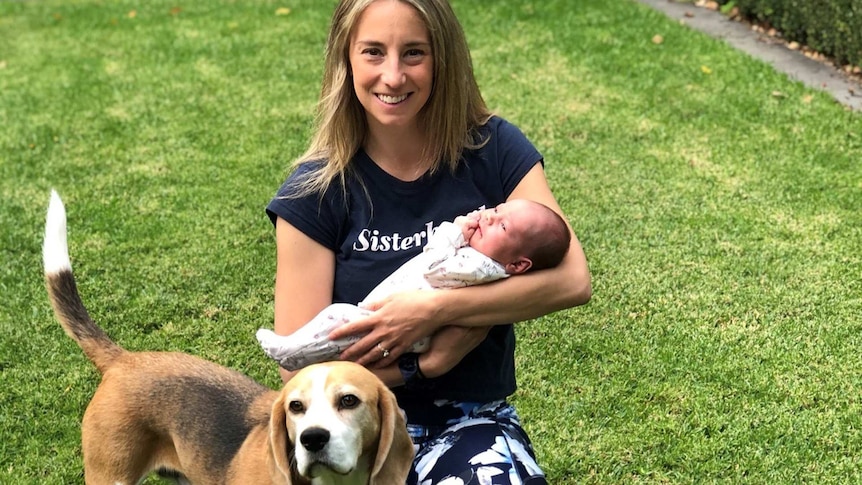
x=202 y=423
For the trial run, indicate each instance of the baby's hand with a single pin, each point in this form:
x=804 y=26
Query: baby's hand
x=469 y=223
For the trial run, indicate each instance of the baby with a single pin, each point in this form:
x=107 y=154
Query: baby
x=483 y=246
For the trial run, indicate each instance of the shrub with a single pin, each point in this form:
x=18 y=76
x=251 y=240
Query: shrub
x=831 y=27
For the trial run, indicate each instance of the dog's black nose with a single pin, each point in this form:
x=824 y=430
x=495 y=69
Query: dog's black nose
x=314 y=439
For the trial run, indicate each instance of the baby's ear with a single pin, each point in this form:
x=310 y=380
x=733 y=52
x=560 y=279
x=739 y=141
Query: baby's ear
x=520 y=265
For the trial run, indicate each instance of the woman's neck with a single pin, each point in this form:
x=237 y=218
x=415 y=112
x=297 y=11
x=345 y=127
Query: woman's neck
x=398 y=152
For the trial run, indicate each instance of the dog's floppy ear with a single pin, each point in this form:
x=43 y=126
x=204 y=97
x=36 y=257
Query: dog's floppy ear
x=394 y=449
x=281 y=447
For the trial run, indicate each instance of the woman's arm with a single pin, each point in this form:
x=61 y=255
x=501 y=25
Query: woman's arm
x=406 y=317
x=304 y=278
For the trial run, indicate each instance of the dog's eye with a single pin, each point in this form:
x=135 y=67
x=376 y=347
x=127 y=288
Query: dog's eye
x=296 y=407
x=349 y=401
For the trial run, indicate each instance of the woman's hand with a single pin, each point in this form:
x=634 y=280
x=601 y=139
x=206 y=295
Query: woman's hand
x=448 y=346
x=397 y=322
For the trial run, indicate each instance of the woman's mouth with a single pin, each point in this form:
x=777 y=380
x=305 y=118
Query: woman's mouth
x=392 y=99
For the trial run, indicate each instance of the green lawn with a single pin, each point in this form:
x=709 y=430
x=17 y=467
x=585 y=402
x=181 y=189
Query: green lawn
x=719 y=204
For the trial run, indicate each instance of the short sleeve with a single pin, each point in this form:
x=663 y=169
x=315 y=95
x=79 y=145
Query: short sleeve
x=317 y=216
x=515 y=153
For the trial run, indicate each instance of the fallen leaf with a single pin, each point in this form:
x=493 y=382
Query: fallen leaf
x=807 y=99
x=705 y=70
x=778 y=94
x=282 y=11
x=132 y=14
x=657 y=39
x=2 y=64
x=688 y=14
x=176 y=10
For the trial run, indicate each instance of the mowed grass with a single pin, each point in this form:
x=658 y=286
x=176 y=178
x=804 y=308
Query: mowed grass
x=718 y=203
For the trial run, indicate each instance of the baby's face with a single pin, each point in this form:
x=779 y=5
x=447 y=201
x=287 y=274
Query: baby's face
x=502 y=230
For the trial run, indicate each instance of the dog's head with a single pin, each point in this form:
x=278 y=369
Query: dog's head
x=339 y=419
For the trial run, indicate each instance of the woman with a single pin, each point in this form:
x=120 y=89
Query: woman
x=404 y=142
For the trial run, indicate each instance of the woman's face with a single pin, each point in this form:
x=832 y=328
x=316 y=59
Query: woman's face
x=392 y=63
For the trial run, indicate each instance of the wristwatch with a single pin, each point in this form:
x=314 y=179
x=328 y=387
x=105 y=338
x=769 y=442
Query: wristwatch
x=408 y=364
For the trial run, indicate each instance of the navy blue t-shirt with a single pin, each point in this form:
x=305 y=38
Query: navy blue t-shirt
x=382 y=222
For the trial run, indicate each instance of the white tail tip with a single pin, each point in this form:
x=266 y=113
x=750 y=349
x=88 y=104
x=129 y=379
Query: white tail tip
x=55 y=251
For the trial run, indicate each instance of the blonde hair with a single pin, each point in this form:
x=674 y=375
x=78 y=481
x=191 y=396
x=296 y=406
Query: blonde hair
x=451 y=117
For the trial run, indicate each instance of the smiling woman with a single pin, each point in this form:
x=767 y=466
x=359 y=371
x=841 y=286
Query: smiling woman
x=404 y=141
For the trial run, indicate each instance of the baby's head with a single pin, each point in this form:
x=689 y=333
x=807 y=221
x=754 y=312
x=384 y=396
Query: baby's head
x=522 y=235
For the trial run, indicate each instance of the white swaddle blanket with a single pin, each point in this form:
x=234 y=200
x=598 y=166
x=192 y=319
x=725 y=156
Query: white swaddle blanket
x=445 y=262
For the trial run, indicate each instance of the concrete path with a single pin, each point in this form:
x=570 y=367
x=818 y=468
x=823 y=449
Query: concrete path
x=794 y=63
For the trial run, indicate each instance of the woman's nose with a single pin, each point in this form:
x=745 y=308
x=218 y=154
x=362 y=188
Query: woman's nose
x=393 y=74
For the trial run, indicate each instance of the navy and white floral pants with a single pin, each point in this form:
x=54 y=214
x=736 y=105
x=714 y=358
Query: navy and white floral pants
x=485 y=445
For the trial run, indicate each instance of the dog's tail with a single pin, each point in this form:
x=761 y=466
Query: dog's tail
x=63 y=292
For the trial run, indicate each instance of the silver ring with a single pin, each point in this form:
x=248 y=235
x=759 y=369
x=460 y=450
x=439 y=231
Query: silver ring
x=385 y=352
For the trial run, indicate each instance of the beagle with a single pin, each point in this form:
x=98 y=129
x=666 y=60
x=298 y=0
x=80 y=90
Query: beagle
x=201 y=423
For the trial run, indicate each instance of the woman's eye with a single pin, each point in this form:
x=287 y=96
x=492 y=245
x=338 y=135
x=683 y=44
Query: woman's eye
x=372 y=51
x=414 y=56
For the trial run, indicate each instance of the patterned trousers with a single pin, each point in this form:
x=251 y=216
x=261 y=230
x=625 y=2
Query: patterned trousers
x=484 y=446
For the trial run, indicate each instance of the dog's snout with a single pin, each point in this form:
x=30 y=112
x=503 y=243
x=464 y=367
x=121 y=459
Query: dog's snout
x=314 y=439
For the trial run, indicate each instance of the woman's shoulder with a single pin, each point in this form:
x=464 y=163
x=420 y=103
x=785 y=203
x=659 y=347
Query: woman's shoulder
x=504 y=154
x=306 y=168
x=304 y=179
x=301 y=190
x=494 y=124
x=499 y=135
x=500 y=130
